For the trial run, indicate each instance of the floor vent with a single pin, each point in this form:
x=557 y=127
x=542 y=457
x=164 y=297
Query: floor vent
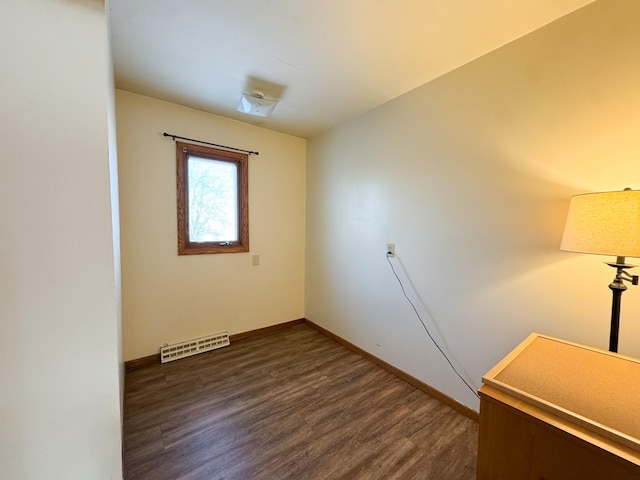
x=176 y=351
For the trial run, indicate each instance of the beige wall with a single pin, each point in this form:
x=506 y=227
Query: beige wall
x=471 y=175
x=169 y=298
x=59 y=385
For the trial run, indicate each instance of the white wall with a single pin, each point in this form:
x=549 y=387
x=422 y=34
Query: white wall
x=115 y=201
x=470 y=176
x=59 y=400
x=169 y=298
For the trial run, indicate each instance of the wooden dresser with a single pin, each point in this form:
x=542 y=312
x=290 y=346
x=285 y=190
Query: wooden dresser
x=556 y=410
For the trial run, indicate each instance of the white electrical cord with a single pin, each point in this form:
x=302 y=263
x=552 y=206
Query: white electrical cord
x=427 y=330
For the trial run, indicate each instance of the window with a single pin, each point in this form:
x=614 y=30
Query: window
x=213 y=212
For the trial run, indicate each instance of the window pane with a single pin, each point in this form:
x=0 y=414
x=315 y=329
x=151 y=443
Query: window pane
x=213 y=200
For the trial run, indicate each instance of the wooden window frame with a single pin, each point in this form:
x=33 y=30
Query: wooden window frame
x=185 y=246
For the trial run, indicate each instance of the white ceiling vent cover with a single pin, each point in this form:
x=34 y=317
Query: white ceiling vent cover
x=176 y=351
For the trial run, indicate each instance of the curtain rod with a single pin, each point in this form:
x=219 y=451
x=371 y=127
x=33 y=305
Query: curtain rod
x=209 y=143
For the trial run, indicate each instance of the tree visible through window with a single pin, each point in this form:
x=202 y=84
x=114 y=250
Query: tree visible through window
x=212 y=200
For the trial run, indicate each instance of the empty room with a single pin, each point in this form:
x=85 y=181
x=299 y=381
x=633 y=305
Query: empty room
x=351 y=239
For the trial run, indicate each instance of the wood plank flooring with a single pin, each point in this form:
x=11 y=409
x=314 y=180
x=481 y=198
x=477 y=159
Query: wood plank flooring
x=292 y=404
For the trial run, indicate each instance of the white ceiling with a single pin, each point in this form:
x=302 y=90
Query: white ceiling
x=327 y=60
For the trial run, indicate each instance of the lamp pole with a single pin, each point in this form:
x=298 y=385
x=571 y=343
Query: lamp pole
x=617 y=289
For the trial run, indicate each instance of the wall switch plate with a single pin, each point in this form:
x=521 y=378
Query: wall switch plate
x=255 y=260
x=391 y=249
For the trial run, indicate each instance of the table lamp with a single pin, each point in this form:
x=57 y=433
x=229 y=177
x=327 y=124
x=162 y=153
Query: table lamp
x=606 y=223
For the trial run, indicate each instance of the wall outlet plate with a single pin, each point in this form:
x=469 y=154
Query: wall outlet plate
x=391 y=249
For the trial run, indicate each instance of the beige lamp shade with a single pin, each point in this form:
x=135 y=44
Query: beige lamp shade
x=606 y=223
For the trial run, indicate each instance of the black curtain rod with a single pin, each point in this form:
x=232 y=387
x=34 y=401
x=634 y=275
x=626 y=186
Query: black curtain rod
x=209 y=143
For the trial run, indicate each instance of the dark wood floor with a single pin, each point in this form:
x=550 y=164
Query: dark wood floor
x=288 y=405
